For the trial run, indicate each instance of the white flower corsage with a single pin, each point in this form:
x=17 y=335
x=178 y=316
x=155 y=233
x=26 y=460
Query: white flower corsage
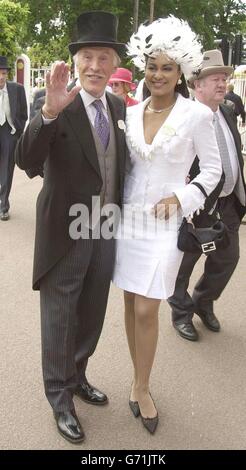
x=121 y=125
x=168 y=131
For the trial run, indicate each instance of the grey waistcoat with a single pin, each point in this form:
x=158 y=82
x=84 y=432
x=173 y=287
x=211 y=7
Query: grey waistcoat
x=108 y=166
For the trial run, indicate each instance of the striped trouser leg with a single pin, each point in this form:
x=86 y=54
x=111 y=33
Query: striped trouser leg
x=60 y=290
x=93 y=302
x=73 y=304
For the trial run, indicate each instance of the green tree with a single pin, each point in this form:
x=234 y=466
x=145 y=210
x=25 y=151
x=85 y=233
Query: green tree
x=229 y=17
x=209 y=18
x=51 y=23
x=13 y=21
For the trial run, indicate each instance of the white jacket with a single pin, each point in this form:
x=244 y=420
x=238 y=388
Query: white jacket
x=160 y=169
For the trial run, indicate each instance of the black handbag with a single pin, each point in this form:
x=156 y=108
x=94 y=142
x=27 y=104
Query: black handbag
x=203 y=233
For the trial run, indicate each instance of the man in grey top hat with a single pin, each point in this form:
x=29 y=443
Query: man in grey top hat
x=13 y=116
x=209 y=86
x=79 y=137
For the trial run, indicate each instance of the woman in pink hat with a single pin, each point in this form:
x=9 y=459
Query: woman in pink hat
x=121 y=83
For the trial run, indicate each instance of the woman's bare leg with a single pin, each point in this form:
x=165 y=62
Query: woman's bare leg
x=146 y=335
x=129 y=299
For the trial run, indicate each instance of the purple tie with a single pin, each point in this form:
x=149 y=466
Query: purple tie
x=101 y=124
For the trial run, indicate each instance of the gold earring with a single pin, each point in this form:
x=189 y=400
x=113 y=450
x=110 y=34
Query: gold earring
x=179 y=81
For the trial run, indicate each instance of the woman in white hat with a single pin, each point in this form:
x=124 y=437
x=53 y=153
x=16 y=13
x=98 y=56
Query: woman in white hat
x=164 y=134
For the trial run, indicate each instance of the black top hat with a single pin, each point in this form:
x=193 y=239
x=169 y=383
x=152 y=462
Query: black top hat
x=97 y=28
x=3 y=63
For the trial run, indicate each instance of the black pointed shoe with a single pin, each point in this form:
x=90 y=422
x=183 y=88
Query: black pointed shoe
x=91 y=394
x=150 y=423
x=4 y=216
x=134 y=408
x=68 y=426
x=209 y=319
x=186 y=330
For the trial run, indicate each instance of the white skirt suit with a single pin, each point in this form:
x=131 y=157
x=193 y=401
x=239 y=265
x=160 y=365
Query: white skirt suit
x=147 y=259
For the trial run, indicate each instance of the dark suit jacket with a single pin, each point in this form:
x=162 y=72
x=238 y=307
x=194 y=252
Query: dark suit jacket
x=71 y=174
x=237 y=100
x=18 y=106
x=38 y=102
x=232 y=123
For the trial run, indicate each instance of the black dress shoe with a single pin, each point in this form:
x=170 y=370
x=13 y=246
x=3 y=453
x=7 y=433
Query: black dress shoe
x=69 y=426
x=209 y=319
x=90 y=394
x=186 y=330
x=4 y=216
x=134 y=407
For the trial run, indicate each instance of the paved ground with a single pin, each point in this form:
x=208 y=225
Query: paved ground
x=199 y=388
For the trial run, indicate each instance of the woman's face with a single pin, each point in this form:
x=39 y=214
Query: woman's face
x=161 y=75
x=118 y=88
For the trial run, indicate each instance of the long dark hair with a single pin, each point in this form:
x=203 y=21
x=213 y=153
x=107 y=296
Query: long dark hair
x=146 y=92
x=182 y=88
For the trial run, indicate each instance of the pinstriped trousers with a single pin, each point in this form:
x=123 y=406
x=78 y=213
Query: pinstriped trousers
x=7 y=164
x=73 y=297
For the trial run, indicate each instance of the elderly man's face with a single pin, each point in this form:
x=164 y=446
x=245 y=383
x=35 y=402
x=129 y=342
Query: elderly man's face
x=212 y=89
x=3 y=77
x=95 y=66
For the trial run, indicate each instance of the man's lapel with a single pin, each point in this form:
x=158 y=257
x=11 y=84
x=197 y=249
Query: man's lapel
x=77 y=116
x=118 y=119
x=12 y=94
x=233 y=128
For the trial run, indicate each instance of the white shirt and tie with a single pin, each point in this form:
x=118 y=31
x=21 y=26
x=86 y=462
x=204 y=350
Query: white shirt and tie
x=2 y=108
x=5 y=113
x=228 y=153
x=90 y=109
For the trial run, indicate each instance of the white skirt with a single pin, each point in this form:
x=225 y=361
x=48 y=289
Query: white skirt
x=148 y=266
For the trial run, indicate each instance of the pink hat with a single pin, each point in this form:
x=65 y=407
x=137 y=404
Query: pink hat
x=122 y=75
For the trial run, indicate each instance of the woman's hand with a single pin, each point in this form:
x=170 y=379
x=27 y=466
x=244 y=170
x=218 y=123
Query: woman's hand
x=166 y=207
x=187 y=179
x=57 y=97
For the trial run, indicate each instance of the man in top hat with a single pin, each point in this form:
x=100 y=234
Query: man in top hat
x=13 y=116
x=209 y=86
x=79 y=137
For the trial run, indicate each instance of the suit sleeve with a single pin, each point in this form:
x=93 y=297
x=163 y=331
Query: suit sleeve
x=33 y=147
x=241 y=110
x=23 y=108
x=206 y=148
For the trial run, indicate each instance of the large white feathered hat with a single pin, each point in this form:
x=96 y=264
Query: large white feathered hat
x=171 y=36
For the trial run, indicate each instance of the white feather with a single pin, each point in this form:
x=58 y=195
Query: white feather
x=186 y=51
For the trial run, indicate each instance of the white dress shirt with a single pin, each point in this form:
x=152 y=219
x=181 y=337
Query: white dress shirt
x=88 y=104
x=6 y=107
